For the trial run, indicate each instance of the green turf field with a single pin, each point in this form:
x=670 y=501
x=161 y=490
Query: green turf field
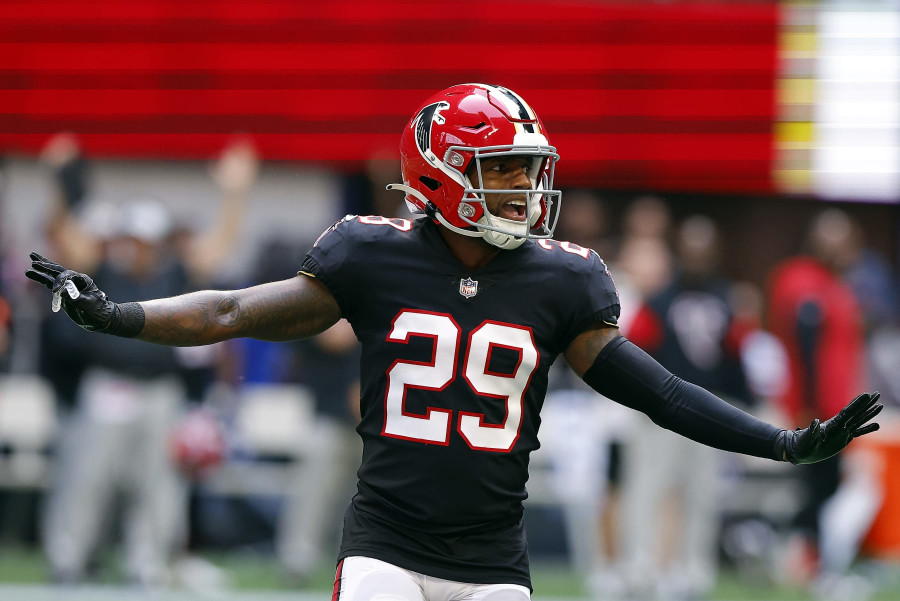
x=255 y=576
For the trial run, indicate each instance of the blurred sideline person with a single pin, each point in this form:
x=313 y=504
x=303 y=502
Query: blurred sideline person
x=670 y=512
x=644 y=266
x=128 y=400
x=129 y=397
x=5 y=296
x=366 y=192
x=644 y=254
x=580 y=429
x=460 y=315
x=5 y=326
x=869 y=275
x=818 y=319
x=323 y=479
x=647 y=217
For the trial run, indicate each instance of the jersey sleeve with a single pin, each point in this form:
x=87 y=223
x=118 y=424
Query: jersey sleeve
x=329 y=261
x=595 y=299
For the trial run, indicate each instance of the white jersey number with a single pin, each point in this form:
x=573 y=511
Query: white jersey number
x=434 y=426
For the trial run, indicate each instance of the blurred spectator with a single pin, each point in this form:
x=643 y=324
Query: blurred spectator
x=644 y=254
x=669 y=542
x=647 y=217
x=816 y=315
x=646 y=267
x=127 y=396
x=867 y=272
x=7 y=498
x=884 y=357
x=585 y=221
x=818 y=319
x=581 y=430
x=5 y=307
x=324 y=478
x=128 y=399
x=5 y=324
x=762 y=355
x=204 y=251
x=365 y=193
x=69 y=216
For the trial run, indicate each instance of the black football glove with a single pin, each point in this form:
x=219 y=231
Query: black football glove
x=91 y=309
x=821 y=441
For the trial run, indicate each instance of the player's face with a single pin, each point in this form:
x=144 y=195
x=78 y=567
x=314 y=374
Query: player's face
x=506 y=173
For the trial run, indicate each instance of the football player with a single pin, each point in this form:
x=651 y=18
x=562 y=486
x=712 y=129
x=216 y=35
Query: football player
x=460 y=314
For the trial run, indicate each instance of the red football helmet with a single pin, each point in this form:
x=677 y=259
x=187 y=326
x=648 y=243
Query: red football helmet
x=445 y=143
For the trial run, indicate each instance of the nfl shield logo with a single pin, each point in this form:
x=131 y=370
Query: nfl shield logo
x=468 y=287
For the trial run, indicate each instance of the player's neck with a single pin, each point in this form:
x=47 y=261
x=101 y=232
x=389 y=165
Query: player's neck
x=473 y=253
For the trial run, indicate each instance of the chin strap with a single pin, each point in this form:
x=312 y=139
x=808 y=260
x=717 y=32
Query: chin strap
x=503 y=241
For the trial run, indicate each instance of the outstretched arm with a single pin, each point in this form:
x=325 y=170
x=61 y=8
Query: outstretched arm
x=294 y=308
x=619 y=370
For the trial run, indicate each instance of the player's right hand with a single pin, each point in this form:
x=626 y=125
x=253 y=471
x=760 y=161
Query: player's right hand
x=90 y=308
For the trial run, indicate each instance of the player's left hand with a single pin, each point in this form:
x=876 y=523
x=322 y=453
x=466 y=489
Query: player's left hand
x=822 y=440
x=79 y=296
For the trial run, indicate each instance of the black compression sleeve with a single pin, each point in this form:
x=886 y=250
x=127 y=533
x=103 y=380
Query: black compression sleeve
x=628 y=375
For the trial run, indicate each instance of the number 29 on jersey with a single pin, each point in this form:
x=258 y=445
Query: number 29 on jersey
x=435 y=426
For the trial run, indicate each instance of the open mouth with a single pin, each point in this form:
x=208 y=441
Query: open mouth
x=513 y=209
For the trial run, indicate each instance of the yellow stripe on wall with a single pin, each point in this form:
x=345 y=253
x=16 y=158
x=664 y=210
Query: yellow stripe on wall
x=795 y=133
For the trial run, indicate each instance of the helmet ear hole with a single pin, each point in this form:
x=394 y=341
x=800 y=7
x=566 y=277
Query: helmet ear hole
x=432 y=184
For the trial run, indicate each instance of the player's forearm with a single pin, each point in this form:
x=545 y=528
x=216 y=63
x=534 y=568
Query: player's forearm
x=191 y=319
x=629 y=376
x=698 y=414
x=277 y=311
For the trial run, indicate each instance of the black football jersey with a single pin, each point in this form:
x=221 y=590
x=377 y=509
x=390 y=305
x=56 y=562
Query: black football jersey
x=454 y=371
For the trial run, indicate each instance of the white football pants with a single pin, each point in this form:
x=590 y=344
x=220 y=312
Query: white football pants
x=365 y=579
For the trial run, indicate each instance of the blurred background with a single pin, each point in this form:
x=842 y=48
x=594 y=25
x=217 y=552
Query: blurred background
x=736 y=163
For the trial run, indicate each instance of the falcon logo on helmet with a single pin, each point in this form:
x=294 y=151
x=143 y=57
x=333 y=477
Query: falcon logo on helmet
x=422 y=125
x=441 y=153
